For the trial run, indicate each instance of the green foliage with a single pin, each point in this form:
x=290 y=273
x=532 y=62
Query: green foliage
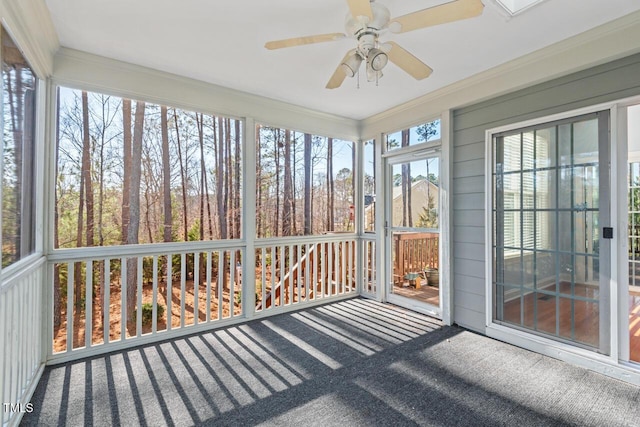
x=147 y=313
x=428 y=130
x=429 y=215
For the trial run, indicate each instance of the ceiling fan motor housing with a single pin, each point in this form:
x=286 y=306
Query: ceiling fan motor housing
x=357 y=24
x=366 y=31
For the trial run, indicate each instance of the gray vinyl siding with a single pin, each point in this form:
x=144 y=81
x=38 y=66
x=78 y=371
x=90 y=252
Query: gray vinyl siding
x=608 y=82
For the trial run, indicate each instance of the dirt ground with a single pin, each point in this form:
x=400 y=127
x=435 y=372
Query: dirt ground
x=115 y=310
x=192 y=307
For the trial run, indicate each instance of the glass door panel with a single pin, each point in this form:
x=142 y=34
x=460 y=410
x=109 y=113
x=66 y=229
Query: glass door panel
x=634 y=259
x=415 y=231
x=549 y=207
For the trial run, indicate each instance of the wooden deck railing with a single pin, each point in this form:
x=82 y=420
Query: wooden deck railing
x=414 y=251
x=304 y=272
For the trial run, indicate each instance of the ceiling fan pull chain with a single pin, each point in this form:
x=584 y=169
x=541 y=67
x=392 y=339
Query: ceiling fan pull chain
x=358 y=80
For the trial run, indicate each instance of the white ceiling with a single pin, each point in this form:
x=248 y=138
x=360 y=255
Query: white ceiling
x=223 y=43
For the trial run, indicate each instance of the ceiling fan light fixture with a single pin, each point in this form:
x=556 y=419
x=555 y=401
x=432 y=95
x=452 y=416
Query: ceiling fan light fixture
x=352 y=64
x=373 y=75
x=377 y=59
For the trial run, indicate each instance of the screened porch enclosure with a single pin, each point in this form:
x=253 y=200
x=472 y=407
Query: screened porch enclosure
x=144 y=210
x=154 y=231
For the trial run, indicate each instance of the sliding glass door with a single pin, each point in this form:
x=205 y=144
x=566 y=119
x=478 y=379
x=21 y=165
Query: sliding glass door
x=551 y=263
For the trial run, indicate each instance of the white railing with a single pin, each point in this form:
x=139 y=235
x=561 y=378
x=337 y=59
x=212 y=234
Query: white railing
x=369 y=273
x=111 y=298
x=152 y=292
x=21 y=355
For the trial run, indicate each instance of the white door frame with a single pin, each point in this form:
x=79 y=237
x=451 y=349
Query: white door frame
x=622 y=206
x=616 y=363
x=383 y=185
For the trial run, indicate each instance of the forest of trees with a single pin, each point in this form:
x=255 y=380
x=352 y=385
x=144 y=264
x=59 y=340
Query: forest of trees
x=305 y=184
x=134 y=172
x=18 y=154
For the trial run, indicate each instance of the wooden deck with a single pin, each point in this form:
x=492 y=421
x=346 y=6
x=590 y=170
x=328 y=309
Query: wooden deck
x=428 y=294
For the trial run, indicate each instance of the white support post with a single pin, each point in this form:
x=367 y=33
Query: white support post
x=196 y=286
x=88 y=304
x=154 y=315
x=381 y=215
x=249 y=218
x=359 y=218
x=446 y=212
x=47 y=209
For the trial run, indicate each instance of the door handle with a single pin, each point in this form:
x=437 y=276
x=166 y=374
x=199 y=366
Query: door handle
x=607 y=232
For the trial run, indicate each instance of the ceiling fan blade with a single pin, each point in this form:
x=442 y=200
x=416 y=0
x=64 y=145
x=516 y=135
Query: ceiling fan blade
x=339 y=75
x=298 y=41
x=360 y=8
x=409 y=63
x=448 y=12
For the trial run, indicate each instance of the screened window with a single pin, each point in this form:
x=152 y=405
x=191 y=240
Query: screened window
x=369 y=186
x=304 y=183
x=423 y=133
x=134 y=172
x=18 y=154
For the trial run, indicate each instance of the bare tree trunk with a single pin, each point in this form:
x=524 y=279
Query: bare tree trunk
x=101 y=167
x=126 y=175
x=288 y=196
x=227 y=179
x=86 y=169
x=208 y=199
x=17 y=126
x=134 y=206
x=276 y=225
x=149 y=202
x=222 y=194
x=183 y=179
x=330 y=186
x=166 y=178
x=78 y=266
x=307 y=184
x=203 y=171
x=220 y=181
x=203 y=181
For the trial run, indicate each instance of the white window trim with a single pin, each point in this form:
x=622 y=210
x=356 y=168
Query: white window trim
x=608 y=365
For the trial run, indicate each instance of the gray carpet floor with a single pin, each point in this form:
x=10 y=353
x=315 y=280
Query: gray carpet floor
x=351 y=363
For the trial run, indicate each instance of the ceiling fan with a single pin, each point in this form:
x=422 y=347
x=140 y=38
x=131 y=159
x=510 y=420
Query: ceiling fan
x=367 y=21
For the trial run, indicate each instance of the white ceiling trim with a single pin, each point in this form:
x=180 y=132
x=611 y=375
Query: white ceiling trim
x=602 y=44
x=30 y=25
